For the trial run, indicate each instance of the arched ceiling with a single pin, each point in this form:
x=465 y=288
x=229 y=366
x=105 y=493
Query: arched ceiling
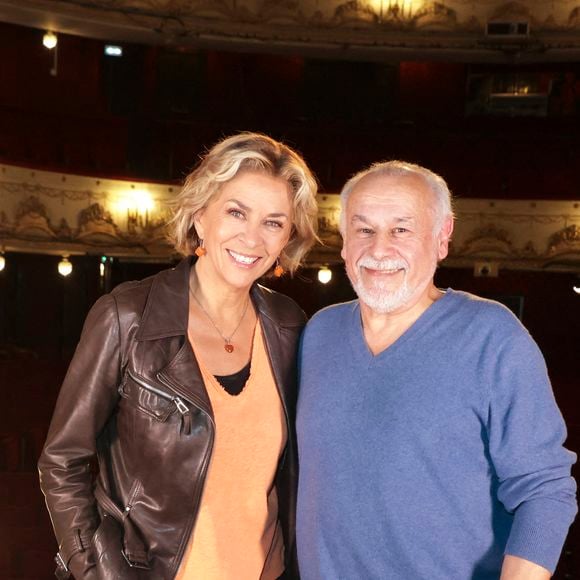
x=358 y=29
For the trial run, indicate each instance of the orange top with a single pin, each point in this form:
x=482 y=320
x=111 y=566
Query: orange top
x=237 y=534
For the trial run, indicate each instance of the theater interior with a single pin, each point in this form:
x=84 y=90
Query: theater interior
x=98 y=132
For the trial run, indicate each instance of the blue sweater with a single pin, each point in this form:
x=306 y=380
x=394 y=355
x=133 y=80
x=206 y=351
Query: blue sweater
x=435 y=457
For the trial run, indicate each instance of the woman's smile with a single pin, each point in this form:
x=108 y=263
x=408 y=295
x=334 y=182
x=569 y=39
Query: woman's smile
x=243 y=259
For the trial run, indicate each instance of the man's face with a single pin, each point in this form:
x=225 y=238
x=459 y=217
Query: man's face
x=390 y=247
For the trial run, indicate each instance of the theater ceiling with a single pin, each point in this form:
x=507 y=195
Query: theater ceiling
x=459 y=30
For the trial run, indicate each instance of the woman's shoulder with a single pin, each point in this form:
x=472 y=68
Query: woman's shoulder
x=132 y=296
x=133 y=292
x=279 y=307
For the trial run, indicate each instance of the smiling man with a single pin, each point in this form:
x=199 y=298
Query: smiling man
x=430 y=442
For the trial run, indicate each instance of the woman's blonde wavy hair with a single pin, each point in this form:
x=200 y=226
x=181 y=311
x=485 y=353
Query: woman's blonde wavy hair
x=254 y=152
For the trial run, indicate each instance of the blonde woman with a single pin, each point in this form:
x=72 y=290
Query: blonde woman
x=183 y=386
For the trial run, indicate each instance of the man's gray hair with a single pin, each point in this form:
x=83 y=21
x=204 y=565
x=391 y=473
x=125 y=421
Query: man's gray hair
x=395 y=168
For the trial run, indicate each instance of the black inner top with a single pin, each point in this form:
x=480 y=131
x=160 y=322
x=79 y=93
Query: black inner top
x=234 y=384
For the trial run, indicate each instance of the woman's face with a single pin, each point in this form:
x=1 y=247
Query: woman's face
x=244 y=229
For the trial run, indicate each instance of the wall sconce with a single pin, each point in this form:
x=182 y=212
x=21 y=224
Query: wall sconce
x=2 y=261
x=324 y=275
x=65 y=267
x=49 y=40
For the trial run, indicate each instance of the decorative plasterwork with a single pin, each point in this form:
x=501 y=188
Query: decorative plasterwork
x=443 y=29
x=96 y=226
x=48 y=212
x=517 y=234
x=525 y=235
x=564 y=245
x=32 y=221
x=487 y=242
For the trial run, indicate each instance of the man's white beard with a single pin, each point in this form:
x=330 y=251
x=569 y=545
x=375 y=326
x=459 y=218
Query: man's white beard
x=378 y=297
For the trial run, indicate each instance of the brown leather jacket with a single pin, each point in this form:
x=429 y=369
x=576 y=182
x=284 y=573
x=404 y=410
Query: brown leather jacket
x=134 y=398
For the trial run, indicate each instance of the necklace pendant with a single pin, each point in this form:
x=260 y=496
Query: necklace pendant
x=229 y=347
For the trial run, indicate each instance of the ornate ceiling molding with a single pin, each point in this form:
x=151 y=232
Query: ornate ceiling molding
x=46 y=212
x=446 y=29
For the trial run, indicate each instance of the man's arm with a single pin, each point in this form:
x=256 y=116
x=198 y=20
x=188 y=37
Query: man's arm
x=515 y=568
x=526 y=436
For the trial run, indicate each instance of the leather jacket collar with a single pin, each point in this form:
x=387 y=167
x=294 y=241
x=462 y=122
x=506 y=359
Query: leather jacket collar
x=171 y=289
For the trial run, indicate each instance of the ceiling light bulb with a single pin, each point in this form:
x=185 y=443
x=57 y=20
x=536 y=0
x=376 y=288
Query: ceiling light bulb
x=64 y=267
x=49 y=40
x=324 y=275
x=576 y=288
x=2 y=262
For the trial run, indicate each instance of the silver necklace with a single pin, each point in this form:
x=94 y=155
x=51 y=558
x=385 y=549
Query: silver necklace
x=228 y=346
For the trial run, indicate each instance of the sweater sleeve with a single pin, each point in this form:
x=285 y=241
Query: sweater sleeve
x=526 y=435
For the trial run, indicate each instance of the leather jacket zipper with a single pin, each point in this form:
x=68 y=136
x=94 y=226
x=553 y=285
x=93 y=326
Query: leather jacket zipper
x=177 y=401
x=202 y=477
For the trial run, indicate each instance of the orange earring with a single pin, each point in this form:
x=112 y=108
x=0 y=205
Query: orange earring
x=200 y=250
x=278 y=270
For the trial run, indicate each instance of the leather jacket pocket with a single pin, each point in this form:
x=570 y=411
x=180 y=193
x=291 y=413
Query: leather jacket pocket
x=159 y=404
x=146 y=397
x=118 y=549
x=107 y=544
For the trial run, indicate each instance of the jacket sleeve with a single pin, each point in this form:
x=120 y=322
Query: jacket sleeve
x=526 y=436
x=87 y=399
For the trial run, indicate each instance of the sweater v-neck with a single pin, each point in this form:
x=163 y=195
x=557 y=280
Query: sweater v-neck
x=359 y=343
